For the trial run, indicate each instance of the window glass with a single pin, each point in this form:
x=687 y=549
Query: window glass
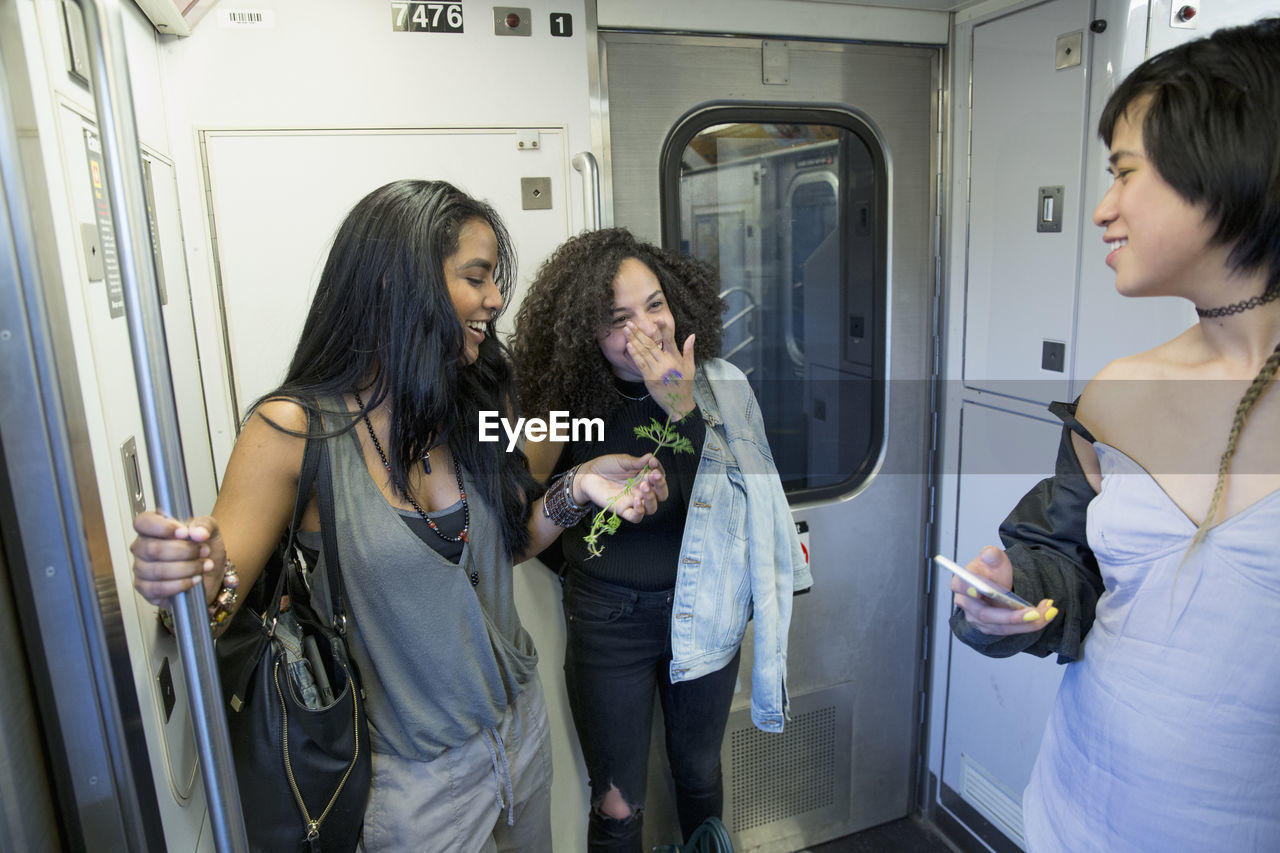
x=790 y=214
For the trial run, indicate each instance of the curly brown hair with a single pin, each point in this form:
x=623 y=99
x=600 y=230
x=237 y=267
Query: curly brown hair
x=559 y=365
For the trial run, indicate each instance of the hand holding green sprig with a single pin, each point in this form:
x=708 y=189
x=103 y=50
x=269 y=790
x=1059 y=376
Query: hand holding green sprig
x=606 y=521
x=664 y=368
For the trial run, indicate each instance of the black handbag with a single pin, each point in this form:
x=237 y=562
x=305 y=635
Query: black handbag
x=304 y=772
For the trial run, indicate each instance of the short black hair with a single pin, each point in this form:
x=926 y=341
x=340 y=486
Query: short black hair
x=1212 y=132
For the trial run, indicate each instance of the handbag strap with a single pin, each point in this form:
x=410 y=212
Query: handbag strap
x=306 y=479
x=329 y=533
x=239 y=667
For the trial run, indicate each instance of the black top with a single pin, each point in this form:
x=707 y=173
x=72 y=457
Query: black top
x=449 y=520
x=642 y=556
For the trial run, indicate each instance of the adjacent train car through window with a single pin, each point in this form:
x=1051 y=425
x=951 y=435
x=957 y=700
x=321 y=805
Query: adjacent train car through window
x=790 y=206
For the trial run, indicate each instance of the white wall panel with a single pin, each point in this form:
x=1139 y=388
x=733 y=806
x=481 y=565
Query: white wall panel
x=996 y=708
x=1026 y=133
x=337 y=65
x=278 y=199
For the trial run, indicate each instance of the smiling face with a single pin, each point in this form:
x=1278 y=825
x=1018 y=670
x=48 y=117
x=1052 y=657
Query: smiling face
x=638 y=298
x=469 y=274
x=1157 y=242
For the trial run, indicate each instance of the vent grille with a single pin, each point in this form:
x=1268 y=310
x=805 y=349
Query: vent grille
x=992 y=800
x=778 y=776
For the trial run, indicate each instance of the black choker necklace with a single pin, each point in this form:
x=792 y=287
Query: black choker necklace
x=1269 y=295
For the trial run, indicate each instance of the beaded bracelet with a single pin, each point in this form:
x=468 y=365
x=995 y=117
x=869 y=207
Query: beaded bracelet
x=222 y=605
x=224 y=602
x=558 y=503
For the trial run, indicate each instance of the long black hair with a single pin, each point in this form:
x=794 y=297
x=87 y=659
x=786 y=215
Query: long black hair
x=382 y=323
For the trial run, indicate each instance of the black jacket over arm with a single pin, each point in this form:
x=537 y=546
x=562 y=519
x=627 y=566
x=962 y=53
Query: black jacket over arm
x=1045 y=539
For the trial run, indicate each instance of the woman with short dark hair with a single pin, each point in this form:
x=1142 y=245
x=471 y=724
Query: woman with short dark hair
x=1162 y=597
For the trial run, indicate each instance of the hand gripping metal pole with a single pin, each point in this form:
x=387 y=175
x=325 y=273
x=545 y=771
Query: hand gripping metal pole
x=585 y=162
x=118 y=129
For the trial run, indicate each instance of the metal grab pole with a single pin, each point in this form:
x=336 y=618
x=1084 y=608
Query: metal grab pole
x=585 y=162
x=117 y=127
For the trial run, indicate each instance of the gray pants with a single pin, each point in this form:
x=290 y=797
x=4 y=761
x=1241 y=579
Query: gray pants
x=461 y=801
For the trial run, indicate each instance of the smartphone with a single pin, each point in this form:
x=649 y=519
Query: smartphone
x=989 y=590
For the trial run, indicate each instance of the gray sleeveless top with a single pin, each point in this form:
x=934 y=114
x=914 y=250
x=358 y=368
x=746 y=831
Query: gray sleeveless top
x=440 y=660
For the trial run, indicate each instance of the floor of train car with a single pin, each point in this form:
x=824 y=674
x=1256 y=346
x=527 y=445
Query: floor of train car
x=900 y=836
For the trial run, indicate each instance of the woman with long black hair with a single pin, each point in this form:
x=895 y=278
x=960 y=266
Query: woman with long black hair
x=397 y=360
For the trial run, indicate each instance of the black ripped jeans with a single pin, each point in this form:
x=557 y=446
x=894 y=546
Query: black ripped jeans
x=618 y=652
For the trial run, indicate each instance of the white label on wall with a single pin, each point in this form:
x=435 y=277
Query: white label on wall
x=245 y=18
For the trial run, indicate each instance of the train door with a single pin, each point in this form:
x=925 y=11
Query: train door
x=117 y=761
x=806 y=173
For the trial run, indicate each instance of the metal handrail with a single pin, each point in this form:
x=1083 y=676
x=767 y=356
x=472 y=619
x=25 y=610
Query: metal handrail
x=751 y=308
x=746 y=342
x=118 y=130
x=585 y=162
x=744 y=313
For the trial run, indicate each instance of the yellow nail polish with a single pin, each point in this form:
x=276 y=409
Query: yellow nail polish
x=1050 y=613
x=973 y=593
x=1031 y=616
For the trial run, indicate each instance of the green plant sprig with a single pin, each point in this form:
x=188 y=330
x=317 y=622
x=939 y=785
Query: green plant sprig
x=606 y=522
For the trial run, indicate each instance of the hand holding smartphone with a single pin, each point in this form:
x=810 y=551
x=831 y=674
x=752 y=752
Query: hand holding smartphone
x=988 y=589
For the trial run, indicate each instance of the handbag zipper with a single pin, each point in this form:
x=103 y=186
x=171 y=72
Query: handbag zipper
x=313 y=826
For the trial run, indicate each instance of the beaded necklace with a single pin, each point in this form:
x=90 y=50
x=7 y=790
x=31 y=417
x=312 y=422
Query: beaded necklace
x=457 y=472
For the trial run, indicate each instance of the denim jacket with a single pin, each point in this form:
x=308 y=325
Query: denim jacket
x=740 y=555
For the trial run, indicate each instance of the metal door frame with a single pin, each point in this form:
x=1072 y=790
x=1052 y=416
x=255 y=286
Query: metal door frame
x=57 y=557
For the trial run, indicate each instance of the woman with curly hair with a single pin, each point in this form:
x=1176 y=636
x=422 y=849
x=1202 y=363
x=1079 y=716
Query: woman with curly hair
x=664 y=604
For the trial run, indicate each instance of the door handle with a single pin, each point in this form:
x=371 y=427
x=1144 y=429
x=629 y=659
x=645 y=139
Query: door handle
x=585 y=162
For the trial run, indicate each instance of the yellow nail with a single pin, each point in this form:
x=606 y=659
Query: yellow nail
x=1050 y=613
x=973 y=593
x=1031 y=616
